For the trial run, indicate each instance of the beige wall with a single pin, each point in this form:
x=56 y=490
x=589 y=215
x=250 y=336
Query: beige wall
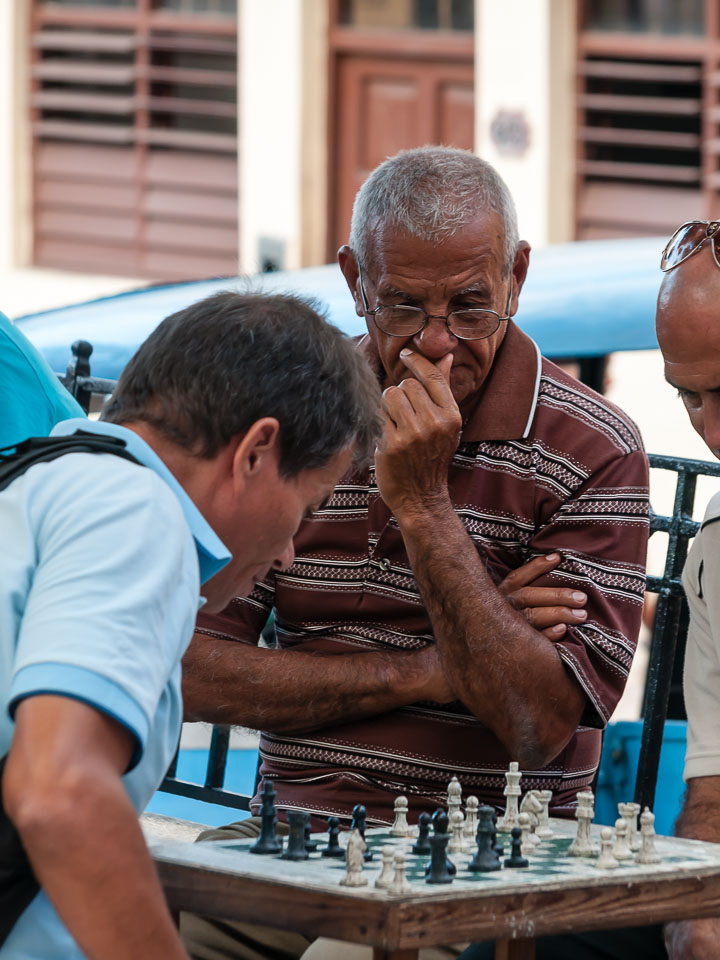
x=530 y=72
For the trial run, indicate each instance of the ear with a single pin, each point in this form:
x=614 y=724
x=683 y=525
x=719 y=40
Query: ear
x=257 y=450
x=519 y=272
x=349 y=267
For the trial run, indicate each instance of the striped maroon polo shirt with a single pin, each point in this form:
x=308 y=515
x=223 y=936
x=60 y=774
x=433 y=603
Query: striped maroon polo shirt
x=544 y=465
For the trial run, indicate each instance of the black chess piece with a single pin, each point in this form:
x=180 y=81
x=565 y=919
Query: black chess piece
x=516 y=859
x=333 y=849
x=297 y=820
x=268 y=842
x=310 y=844
x=358 y=823
x=497 y=844
x=486 y=859
x=422 y=847
x=438 y=870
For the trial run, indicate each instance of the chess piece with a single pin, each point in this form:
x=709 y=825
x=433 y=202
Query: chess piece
x=401 y=827
x=333 y=849
x=354 y=861
x=454 y=797
x=440 y=869
x=532 y=808
x=543 y=829
x=606 y=860
x=399 y=883
x=358 y=823
x=512 y=792
x=486 y=859
x=268 y=842
x=297 y=819
x=582 y=845
x=621 y=850
x=516 y=858
x=385 y=877
x=471 y=818
x=457 y=821
x=648 y=853
x=422 y=847
x=310 y=844
x=498 y=842
x=629 y=812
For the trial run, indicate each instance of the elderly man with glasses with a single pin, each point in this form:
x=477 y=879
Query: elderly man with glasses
x=475 y=597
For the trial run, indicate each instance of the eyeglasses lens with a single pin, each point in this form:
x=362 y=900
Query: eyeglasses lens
x=474 y=324
x=404 y=321
x=687 y=240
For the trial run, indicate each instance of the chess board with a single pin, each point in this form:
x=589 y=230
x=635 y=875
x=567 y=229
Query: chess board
x=549 y=866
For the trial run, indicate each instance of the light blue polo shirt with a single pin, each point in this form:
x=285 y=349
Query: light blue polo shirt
x=32 y=399
x=98 y=599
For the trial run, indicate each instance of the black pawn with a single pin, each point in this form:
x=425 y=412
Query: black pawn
x=422 y=847
x=486 y=859
x=268 y=842
x=310 y=844
x=333 y=849
x=358 y=823
x=516 y=859
x=296 y=840
x=437 y=871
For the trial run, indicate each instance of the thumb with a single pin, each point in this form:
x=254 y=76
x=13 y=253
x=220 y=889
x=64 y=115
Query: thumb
x=445 y=365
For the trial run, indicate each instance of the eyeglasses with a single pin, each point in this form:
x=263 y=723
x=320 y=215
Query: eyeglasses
x=405 y=321
x=688 y=239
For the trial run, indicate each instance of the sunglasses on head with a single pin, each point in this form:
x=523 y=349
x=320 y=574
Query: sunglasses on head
x=688 y=239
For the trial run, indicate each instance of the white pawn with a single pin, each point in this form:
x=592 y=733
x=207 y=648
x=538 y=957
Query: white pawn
x=399 y=882
x=629 y=812
x=582 y=845
x=455 y=844
x=512 y=792
x=471 y=817
x=385 y=877
x=621 y=850
x=401 y=827
x=354 y=851
x=527 y=842
x=648 y=853
x=543 y=829
x=454 y=797
x=606 y=860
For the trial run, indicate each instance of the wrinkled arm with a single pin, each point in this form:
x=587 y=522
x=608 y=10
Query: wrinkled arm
x=62 y=789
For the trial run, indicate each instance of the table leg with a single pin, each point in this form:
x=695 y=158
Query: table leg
x=380 y=953
x=515 y=949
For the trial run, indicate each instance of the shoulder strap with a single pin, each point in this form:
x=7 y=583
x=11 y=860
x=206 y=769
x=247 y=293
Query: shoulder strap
x=43 y=449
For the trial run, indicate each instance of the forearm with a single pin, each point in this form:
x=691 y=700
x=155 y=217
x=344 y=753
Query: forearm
x=507 y=673
x=292 y=691
x=699 y=818
x=84 y=842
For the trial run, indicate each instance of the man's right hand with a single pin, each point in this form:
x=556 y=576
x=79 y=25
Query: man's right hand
x=692 y=939
x=548 y=609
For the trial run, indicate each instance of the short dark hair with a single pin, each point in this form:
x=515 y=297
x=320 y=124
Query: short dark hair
x=208 y=372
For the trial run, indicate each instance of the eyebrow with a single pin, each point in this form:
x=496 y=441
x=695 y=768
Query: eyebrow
x=676 y=386
x=386 y=290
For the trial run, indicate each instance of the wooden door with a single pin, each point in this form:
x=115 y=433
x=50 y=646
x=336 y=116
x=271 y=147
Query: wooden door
x=392 y=89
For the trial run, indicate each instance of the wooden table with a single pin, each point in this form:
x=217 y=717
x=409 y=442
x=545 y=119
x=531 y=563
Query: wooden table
x=558 y=894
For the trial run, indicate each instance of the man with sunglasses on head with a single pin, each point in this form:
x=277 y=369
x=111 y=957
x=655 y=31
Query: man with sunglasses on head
x=474 y=598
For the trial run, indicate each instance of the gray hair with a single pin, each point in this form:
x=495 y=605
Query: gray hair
x=431 y=192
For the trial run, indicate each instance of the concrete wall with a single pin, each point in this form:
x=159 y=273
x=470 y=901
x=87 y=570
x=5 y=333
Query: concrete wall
x=525 y=87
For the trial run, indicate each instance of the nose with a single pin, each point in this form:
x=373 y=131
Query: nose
x=286 y=558
x=435 y=340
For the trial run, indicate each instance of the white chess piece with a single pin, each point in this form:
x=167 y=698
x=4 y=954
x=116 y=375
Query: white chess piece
x=456 y=844
x=629 y=812
x=471 y=818
x=454 y=797
x=621 y=850
x=543 y=829
x=527 y=842
x=606 y=860
x=582 y=845
x=356 y=847
x=399 y=882
x=648 y=853
x=385 y=877
x=512 y=792
x=401 y=827
x=532 y=806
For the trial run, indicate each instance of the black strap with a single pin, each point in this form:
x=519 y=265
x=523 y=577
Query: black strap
x=18 y=886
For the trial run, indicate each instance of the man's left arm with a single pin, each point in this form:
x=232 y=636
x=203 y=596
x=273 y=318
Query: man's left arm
x=515 y=679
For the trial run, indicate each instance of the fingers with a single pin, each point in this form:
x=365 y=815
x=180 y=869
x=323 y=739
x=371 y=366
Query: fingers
x=435 y=377
x=528 y=572
x=546 y=597
x=544 y=617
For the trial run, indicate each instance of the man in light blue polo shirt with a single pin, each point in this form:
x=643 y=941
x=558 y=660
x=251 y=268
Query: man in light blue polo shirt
x=242 y=412
x=32 y=399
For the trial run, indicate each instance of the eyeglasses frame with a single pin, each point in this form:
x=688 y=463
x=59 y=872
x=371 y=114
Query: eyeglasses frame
x=430 y=316
x=713 y=224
